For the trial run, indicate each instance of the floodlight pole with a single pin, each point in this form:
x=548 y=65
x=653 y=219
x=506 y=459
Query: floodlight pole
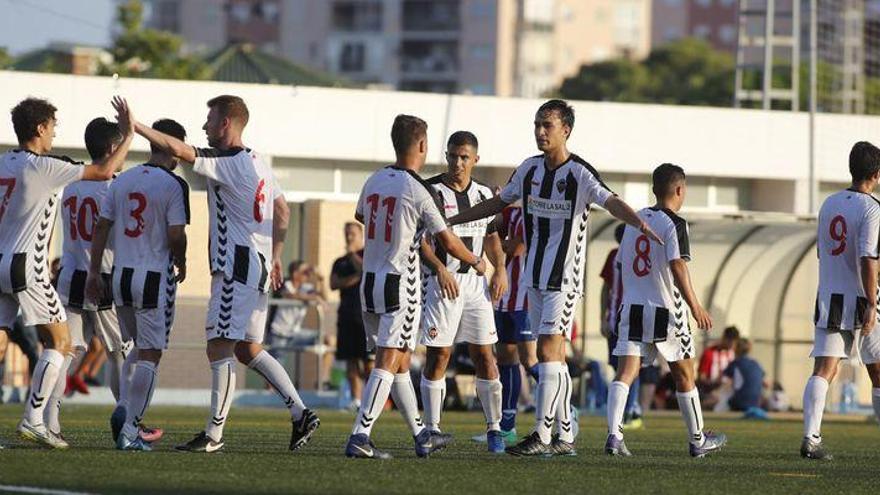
x=814 y=185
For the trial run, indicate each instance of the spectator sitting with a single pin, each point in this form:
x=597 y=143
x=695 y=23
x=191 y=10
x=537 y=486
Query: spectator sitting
x=713 y=362
x=286 y=329
x=747 y=378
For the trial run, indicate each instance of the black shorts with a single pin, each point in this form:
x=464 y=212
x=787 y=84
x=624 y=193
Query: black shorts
x=351 y=340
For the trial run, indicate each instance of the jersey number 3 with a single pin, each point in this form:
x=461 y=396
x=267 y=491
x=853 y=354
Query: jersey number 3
x=389 y=203
x=837 y=231
x=136 y=214
x=642 y=261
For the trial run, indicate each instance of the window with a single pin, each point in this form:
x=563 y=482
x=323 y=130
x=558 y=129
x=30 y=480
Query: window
x=240 y=12
x=727 y=33
x=702 y=31
x=357 y=16
x=353 y=57
x=705 y=3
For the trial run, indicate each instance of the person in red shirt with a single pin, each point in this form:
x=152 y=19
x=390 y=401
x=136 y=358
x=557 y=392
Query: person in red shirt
x=713 y=362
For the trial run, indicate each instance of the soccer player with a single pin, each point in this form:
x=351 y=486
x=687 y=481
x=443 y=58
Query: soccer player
x=846 y=302
x=516 y=341
x=397 y=208
x=248 y=224
x=145 y=212
x=458 y=305
x=652 y=319
x=30 y=181
x=612 y=295
x=80 y=203
x=557 y=188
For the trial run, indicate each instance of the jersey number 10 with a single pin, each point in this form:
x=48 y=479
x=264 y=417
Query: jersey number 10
x=87 y=212
x=389 y=203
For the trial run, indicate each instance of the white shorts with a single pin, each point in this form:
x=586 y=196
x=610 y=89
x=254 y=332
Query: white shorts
x=678 y=346
x=395 y=330
x=85 y=324
x=236 y=311
x=39 y=305
x=842 y=344
x=552 y=312
x=149 y=328
x=468 y=318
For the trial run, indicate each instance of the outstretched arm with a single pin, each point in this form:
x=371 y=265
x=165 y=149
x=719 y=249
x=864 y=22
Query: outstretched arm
x=116 y=160
x=482 y=209
x=166 y=143
x=623 y=212
x=447 y=283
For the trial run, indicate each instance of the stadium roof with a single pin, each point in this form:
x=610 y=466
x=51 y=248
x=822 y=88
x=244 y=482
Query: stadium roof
x=244 y=63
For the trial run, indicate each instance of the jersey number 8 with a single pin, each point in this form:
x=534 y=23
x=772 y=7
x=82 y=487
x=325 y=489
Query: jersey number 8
x=642 y=262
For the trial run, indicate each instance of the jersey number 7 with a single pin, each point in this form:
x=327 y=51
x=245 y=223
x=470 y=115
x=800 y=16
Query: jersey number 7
x=389 y=203
x=9 y=183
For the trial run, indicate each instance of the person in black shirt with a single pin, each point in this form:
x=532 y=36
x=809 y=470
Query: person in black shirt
x=351 y=344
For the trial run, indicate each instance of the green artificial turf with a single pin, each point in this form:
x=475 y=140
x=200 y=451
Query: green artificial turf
x=762 y=457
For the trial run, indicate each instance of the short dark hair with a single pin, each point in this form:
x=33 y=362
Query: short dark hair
x=463 y=138
x=730 y=333
x=618 y=232
x=864 y=161
x=406 y=131
x=743 y=347
x=566 y=111
x=665 y=178
x=170 y=127
x=100 y=136
x=294 y=265
x=28 y=115
x=231 y=106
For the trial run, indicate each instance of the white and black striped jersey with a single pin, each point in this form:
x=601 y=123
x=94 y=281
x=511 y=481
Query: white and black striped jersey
x=848 y=230
x=241 y=192
x=142 y=203
x=397 y=208
x=516 y=296
x=556 y=204
x=29 y=188
x=80 y=208
x=471 y=234
x=650 y=297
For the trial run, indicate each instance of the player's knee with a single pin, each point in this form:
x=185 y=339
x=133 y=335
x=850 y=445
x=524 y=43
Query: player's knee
x=244 y=353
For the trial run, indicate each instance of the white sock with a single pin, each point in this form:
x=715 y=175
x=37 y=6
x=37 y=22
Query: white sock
x=689 y=405
x=43 y=383
x=404 y=396
x=222 y=392
x=489 y=392
x=53 y=410
x=563 y=408
x=140 y=394
x=547 y=398
x=814 y=406
x=433 y=396
x=126 y=375
x=115 y=360
x=875 y=399
x=275 y=375
x=376 y=392
x=617 y=394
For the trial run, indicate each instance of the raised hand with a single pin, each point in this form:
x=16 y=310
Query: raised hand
x=124 y=117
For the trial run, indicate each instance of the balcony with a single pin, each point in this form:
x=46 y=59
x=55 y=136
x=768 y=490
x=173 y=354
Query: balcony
x=434 y=60
x=431 y=16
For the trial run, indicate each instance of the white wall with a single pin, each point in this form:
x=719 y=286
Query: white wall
x=341 y=124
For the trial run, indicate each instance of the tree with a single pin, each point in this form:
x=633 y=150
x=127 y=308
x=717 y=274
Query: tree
x=685 y=72
x=145 y=52
x=5 y=58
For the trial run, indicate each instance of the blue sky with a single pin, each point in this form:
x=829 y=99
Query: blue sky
x=29 y=24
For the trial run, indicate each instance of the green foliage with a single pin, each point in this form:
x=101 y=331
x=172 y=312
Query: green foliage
x=144 y=52
x=685 y=72
x=5 y=58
